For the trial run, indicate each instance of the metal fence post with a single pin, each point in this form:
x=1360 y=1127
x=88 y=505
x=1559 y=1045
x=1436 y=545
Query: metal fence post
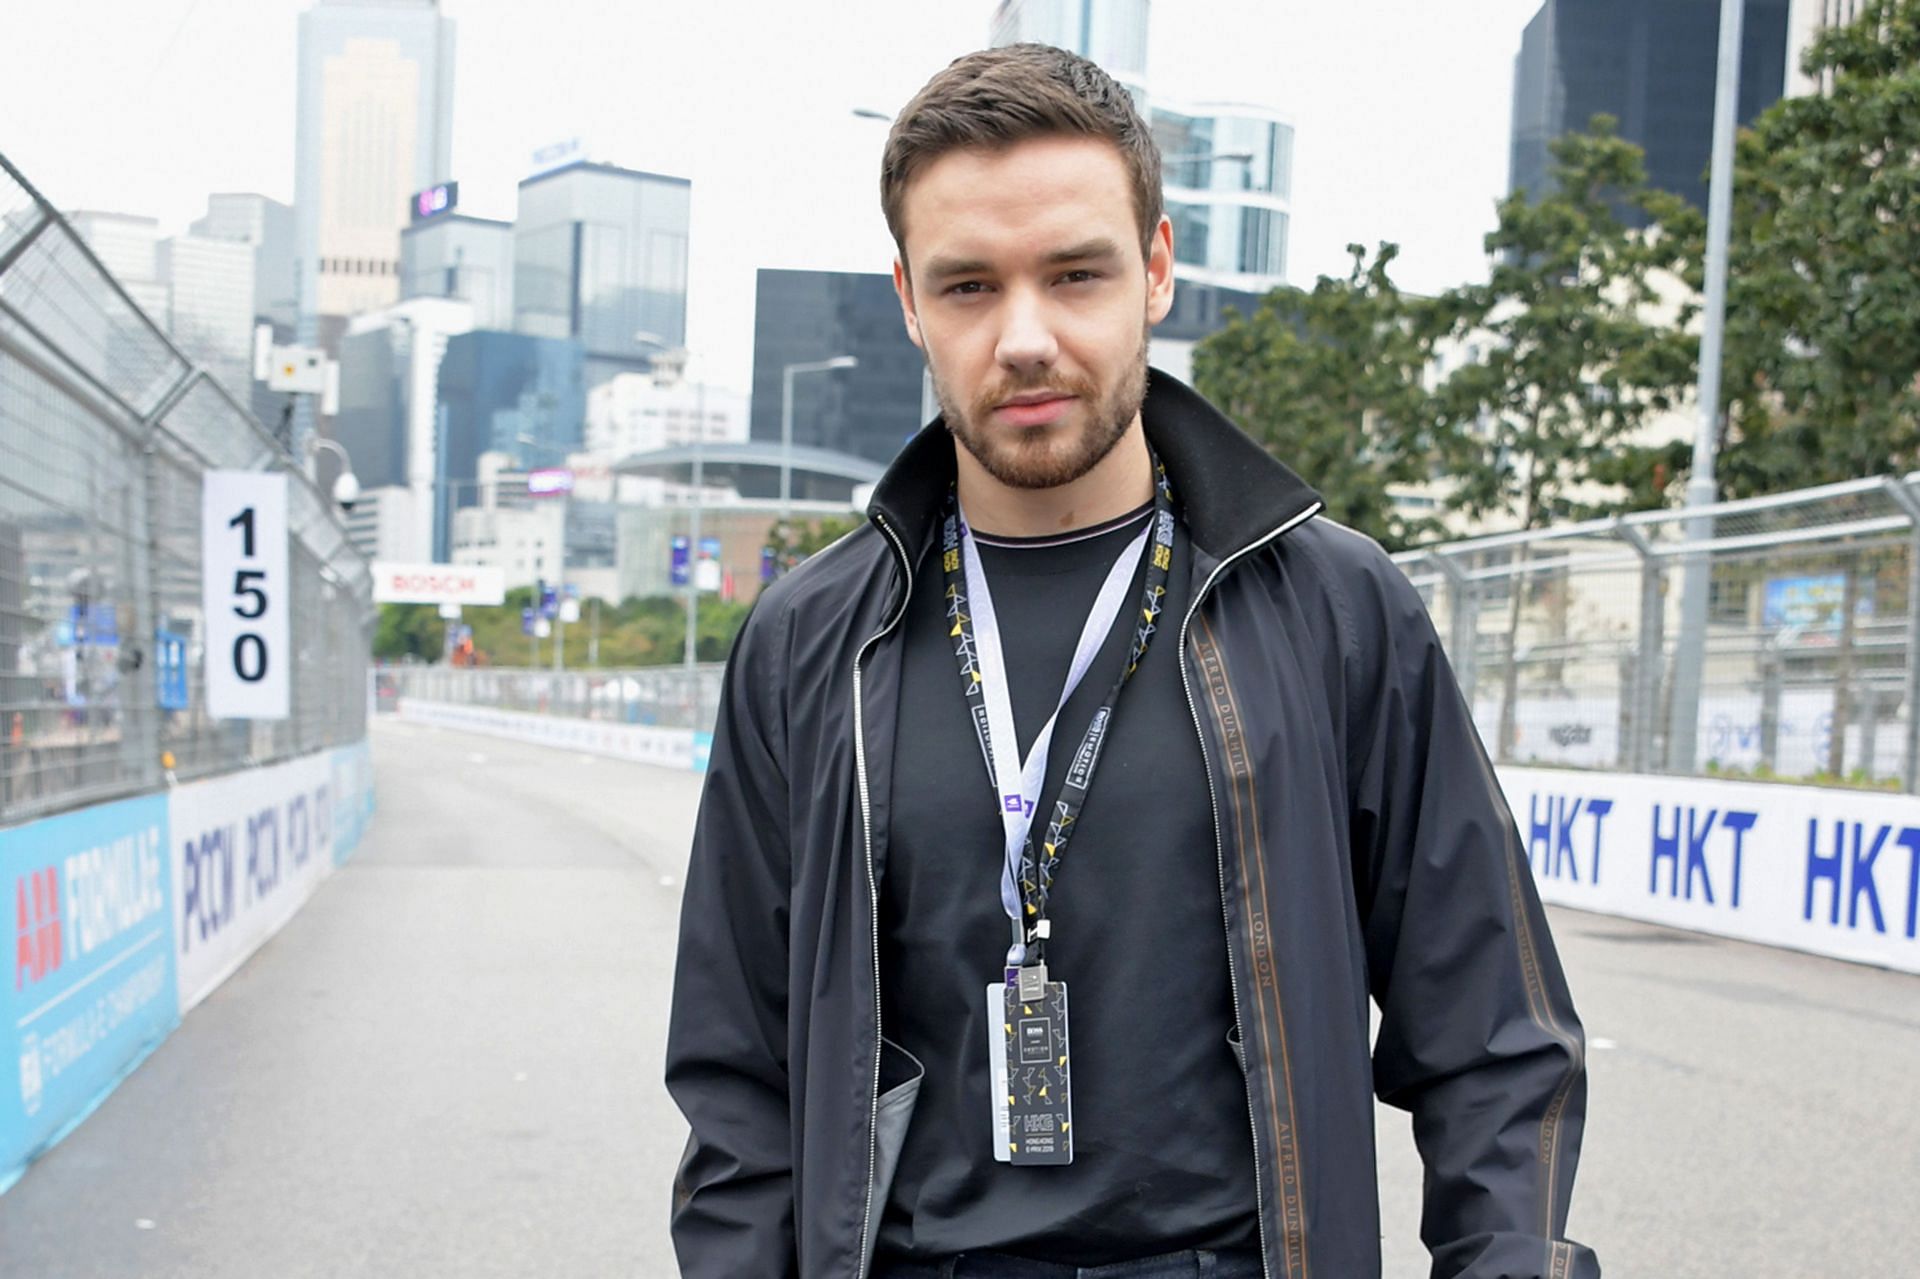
x=1646 y=665
x=1903 y=494
x=1463 y=622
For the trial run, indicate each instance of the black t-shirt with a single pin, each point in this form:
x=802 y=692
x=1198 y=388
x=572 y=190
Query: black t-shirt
x=1163 y=1155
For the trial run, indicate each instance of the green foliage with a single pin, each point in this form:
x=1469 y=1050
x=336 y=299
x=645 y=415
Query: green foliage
x=1329 y=381
x=792 y=541
x=1823 y=304
x=407 y=631
x=1575 y=365
x=648 y=631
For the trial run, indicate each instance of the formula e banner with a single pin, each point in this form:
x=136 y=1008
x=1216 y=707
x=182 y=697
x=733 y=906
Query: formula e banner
x=1833 y=872
x=90 y=990
x=248 y=849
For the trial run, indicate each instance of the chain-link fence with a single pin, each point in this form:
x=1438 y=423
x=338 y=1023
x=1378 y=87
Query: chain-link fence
x=106 y=429
x=1577 y=645
x=655 y=696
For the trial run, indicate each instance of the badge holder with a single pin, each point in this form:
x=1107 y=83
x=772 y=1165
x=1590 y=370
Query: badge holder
x=1032 y=1071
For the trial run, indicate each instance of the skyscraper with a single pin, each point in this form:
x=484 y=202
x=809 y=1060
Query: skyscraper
x=808 y=316
x=268 y=226
x=600 y=256
x=1111 y=32
x=390 y=419
x=374 y=125
x=1228 y=172
x=210 y=295
x=452 y=255
x=1651 y=64
x=513 y=394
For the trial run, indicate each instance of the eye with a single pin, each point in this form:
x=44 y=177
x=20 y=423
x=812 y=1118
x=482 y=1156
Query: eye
x=966 y=288
x=1079 y=276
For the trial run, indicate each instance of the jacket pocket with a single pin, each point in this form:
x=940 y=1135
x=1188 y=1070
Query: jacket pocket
x=900 y=1076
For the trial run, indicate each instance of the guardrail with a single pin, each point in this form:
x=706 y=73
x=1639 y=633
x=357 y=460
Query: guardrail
x=1574 y=648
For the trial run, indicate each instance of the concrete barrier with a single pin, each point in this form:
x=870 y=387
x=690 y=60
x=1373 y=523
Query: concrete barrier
x=641 y=743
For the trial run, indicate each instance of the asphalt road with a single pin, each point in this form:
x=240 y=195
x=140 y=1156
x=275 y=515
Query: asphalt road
x=449 y=1064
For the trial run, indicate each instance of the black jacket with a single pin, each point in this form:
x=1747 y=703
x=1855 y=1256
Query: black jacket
x=1364 y=848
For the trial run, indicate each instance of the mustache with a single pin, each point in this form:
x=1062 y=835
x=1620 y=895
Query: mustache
x=988 y=401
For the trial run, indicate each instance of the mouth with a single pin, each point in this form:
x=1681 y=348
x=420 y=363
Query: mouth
x=1034 y=408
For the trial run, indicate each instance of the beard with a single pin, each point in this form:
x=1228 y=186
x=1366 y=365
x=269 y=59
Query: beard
x=1048 y=456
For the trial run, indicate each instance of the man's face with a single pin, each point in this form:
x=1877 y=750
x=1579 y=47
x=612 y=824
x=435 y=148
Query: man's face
x=1031 y=299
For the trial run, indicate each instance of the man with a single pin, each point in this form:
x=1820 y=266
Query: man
x=1094 y=704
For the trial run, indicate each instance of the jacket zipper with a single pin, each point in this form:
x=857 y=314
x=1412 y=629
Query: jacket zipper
x=1220 y=858
x=873 y=887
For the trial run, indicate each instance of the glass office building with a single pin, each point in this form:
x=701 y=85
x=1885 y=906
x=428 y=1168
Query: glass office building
x=1111 y=32
x=1228 y=177
x=600 y=256
x=509 y=393
x=803 y=317
x=451 y=255
x=1649 y=63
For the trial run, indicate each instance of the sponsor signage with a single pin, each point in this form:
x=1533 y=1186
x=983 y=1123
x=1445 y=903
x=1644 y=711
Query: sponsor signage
x=555 y=155
x=248 y=849
x=434 y=201
x=170 y=670
x=245 y=593
x=1833 y=872
x=479 y=585
x=91 y=986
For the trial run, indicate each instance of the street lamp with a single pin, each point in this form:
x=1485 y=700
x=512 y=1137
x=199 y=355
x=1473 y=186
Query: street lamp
x=786 y=419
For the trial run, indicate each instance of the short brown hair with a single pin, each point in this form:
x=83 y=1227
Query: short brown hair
x=997 y=97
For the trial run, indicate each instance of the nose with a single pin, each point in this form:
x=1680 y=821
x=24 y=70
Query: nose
x=1027 y=346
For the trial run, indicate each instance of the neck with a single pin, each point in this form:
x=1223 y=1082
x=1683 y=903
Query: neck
x=1121 y=482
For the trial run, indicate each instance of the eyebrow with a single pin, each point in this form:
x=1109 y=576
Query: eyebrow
x=942 y=268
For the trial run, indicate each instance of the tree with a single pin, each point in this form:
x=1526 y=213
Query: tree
x=1330 y=382
x=1578 y=355
x=792 y=541
x=408 y=630
x=1823 y=302
x=1823 y=308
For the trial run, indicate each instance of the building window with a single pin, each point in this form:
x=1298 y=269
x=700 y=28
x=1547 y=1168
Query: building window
x=1189 y=232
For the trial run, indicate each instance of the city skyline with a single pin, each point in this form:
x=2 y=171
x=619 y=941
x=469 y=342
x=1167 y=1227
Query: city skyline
x=1366 y=87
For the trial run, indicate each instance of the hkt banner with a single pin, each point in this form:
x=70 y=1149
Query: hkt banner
x=1829 y=871
x=91 y=988
x=248 y=850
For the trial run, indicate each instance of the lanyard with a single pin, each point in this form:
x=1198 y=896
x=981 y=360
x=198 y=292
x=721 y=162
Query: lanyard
x=1027 y=872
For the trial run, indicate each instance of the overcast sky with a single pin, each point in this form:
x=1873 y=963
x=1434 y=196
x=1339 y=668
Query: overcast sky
x=145 y=106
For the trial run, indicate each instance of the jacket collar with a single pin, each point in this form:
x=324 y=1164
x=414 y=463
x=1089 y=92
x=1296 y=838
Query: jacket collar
x=1232 y=492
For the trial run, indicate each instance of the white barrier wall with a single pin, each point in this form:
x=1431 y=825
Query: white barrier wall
x=130 y=913
x=643 y=743
x=1833 y=872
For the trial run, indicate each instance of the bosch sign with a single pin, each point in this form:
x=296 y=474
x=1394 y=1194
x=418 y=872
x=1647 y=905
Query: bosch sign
x=481 y=585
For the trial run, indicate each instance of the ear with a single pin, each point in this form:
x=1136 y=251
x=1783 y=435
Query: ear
x=1160 y=271
x=903 y=286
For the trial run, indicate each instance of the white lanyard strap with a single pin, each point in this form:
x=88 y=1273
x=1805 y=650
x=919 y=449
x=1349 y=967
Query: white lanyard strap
x=1017 y=782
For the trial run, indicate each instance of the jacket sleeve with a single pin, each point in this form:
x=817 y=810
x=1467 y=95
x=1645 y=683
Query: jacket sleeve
x=1478 y=1036
x=726 y=1061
